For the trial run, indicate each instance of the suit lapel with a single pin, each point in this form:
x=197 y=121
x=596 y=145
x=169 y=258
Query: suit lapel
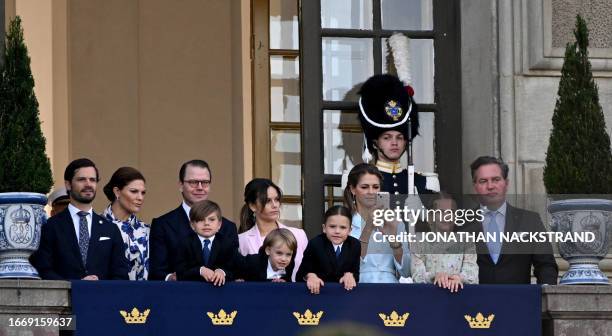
x=180 y=222
x=344 y=252
x=216 y=248
x=254 y=240
x=96 y=222
x=511 y=219
x=70 y=233
x=263 y=267
x=196 y=247
x=331 y=254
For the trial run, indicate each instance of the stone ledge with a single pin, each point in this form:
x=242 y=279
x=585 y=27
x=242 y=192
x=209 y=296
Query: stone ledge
x=34 y=297
x=577 y=302
x=34 y=284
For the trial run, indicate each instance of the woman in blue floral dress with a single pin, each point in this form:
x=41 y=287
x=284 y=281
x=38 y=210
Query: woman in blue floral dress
x=126 y=192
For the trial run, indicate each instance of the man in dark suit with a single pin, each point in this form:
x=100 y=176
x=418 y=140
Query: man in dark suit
x=77 y=243
x=168 y=230
x=507 y=263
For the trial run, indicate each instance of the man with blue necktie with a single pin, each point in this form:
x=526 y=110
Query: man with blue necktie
x=168 y=231
x=501 y=262
x=77 y=243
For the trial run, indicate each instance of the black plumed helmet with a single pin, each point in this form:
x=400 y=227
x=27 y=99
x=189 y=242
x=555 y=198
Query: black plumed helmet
x=385 y=105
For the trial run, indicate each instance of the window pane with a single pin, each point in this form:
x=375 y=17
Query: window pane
x=285 y=161
x=284 y=89
x=355 y=14
x=421 y=68
x=284 y=27
x=341 y=148
x=407 y=14
x=338 y=192
x=347 y=62
x=291 y=215
x=423 y=145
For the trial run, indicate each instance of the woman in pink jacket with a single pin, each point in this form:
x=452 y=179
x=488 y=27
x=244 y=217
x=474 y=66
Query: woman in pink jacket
x=260 y=215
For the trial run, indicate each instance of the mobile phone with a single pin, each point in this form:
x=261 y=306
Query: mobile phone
x=382 y=200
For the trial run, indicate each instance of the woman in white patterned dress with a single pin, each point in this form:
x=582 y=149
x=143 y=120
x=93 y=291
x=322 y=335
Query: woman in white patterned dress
x=126 y=191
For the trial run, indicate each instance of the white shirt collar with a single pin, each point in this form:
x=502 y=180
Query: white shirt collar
x=272 y=274
x=187 y=209
x=76 y=220
x=502 y=209
x=209 y=238
x=336 y=246
x=74 y=211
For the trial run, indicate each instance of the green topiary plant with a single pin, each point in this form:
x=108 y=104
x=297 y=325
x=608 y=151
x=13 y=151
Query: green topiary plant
x=578 y=160
x=24 y=166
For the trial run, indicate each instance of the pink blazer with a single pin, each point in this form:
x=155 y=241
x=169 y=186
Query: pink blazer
x=250 y=242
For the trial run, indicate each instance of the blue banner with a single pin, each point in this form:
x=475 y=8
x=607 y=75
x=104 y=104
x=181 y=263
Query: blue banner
x=190 y=308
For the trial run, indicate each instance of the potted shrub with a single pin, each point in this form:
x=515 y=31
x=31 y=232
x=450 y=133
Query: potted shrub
x=25 y=171
x=578 y=171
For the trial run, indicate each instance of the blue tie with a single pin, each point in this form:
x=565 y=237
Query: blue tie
x=206 y=251
x=83 y=235
x=493 y=228
x=338 y=252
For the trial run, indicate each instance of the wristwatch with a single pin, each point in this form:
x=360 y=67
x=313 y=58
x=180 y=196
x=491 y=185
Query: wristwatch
x=395 y=245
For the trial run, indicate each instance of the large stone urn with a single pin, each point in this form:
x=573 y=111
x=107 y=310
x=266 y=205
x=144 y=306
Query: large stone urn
x=21 y=217
x=583 y=215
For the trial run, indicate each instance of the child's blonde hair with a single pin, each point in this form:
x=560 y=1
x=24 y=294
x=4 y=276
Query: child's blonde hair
x=280 y=235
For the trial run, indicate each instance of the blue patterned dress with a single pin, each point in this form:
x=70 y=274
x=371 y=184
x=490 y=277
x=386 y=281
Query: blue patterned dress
x=135 y=236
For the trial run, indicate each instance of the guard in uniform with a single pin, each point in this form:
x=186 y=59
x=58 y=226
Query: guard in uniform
x=389 y=119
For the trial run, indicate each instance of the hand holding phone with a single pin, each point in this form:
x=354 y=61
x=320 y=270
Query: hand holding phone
x=382 y=200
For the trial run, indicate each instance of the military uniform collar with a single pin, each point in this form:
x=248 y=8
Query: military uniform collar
x=389 y=167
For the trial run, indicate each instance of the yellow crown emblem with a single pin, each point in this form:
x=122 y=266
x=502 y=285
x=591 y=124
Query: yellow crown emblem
x=222 y=318
x=135 y=316
x=308 y=318
x=394 y=319
x=479 y=322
